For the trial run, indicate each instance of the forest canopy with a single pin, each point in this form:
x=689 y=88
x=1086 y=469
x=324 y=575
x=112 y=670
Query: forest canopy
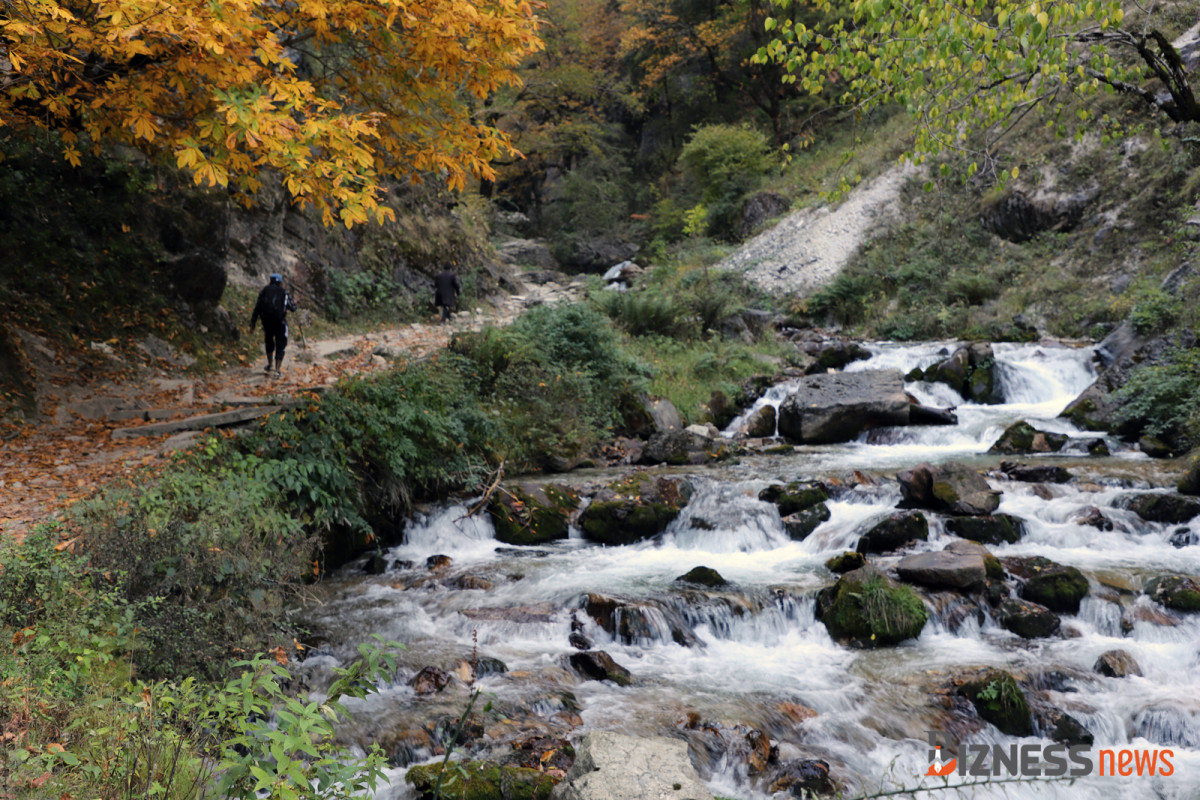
x=335 y=95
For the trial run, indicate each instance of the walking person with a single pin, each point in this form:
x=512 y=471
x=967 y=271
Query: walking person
x=273 y=304
x=446 y=289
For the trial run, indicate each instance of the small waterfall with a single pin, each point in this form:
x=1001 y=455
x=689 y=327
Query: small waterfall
x=450 y=530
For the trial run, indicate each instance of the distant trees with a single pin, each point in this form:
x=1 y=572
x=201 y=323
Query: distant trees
x=333 y=94
x=969 y=70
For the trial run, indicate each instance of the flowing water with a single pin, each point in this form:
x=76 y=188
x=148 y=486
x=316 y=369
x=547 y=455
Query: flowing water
x=753 y=654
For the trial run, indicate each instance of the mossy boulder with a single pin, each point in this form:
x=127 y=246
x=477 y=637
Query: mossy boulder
x=795 y=496
x=531 y=514
x=1178 y=592
x=637 y=507
x=1027 y=619
x=800 y=524
x=1189 y=482
x=1057 y=587
x=703 y=576
x=999 y=700
x=846 y=562
x=1173 y=509
x=951 y=487
x=480 y=780
x=865 y=608
x=990 y=529
x=894 y=531
x=1022 y=437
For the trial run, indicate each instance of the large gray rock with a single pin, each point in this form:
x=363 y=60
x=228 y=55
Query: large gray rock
x=614 y=766
x=837 y=407
x=959 y=568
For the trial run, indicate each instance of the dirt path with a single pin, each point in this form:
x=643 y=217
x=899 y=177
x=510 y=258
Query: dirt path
x=94 y=433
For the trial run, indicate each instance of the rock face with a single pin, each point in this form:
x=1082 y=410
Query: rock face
x=838 y=407
x=613 y=766
x=1018 y=218
x=528 y=514
x=1022 y=437
x=951 y=487
x=637 y=507
x=865 y=608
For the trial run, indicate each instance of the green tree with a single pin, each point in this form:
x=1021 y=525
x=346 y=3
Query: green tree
x=969 y=71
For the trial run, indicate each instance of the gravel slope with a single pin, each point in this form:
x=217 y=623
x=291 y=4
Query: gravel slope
x=808 y=248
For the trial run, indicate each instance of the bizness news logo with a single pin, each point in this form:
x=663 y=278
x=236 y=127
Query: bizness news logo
x=1038 y=760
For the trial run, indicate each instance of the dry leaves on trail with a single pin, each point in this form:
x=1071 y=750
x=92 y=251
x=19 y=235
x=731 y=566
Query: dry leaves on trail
x=49 y=465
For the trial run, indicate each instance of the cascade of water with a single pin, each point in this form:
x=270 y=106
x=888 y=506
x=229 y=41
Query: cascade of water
x=755 y=646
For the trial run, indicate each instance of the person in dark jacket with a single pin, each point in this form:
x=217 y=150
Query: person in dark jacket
x=446 y=290
x=273 y=304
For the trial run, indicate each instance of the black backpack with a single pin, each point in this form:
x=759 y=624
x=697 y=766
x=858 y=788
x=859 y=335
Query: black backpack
x=273 y=304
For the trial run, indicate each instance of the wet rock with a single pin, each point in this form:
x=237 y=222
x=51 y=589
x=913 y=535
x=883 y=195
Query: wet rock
x=894 y=531
x=761 y=423
x=983 y=384
x=1189 y=482
x=532 y=514
x=1057 y=587
x=1177 y=592
x=613 y=766
x=480 y=780
x=472 y=582
x=720 y=410
x=430 y=680
x=800 y=524
x=1173 y=509
x=547 y=754
x=944 y=569
x=795 y=496
x=867 y=609
x=1184 y=537
x=598 y=665
x=1022 y=438
x=999 y=700
x=837 y=407
x=1155 y=447
x=1035 y=474
x=951 y=487
x=846 y=562
x=406 y=747
x=438 y=563
x=375 y=564
x=703 y=576
x=1094 y=517
x=639 y=623
x=828 y=352
x=1065 y=729
x=1096 y=447
x=667 y=447
x=634 y=508
x=927 y=415
x=990 y=529
x=803 y=778
x=1117 y=664
x=951 y=371
x=1028 y=620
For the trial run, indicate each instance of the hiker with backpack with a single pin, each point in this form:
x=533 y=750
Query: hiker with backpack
x=273 y=304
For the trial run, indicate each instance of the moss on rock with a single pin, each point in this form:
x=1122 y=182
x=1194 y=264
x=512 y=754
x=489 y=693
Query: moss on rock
x=1178 y=592
x=637 y=507
x=480 y=780
x=868 y=609
x=999 y=700
x=529 y=514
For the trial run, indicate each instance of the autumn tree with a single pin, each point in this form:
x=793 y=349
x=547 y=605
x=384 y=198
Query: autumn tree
x=970 y=70
x=334 y=95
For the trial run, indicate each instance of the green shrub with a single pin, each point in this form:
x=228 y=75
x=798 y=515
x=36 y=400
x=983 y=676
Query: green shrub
x=1154 y=311
x=205 y=552
x=1163 y=400
x=846 y=299
x=723 y=157
x=646 y=313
